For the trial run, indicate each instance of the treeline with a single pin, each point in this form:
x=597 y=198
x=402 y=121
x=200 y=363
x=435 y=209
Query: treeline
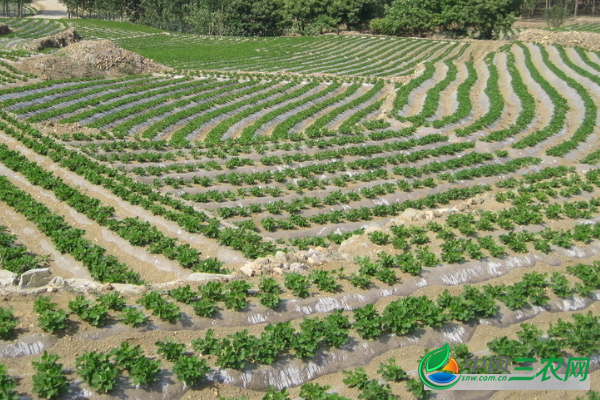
x=236 y=17
x=14 y=8
x=480 y=18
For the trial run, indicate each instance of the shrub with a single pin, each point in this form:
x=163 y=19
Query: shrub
x=48 y=380
x=8 y=323
x=191 y=370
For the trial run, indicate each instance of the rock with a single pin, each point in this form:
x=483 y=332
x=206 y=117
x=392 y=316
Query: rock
x=36 y=277
x=428 y=215
x=440 y=212
x=57 y=281
x=84 y=285
x=281 y=257
x=372 y=229
x=298 y=267
x=312 y=261
x=352 y=242
x=8 y=278
x=249 y=270
x=203 y=277
x=589 y=40
x=128 y=288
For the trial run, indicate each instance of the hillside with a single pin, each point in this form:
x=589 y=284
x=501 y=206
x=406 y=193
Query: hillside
x=290 y=209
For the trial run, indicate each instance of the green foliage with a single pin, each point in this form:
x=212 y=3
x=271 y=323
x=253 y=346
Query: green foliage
x=142 y=370
x=113 y=301
x=160 y=307
x=133 y=317
x=405 y=17
x=170 y=350
x=205 y=308
x=274 y=394
x=191 y=370
x=556 y=14
x=269 y=292
x=48 y=380
x=97 y=371
x=315 y=391
x=208 y=345
x=560 y=285
x=355 y=378
x=8 y=323
x=390 y=371
x=298 y=284
x=212 y=290
x=367 y=322
x=7 y=384
x=43 y=303
x=417 y=389
x=93 y=313
x=580 y=335
x=184 y=294
x=53 y=320
x=50 y=319
x=379 y=238
x=324 y=281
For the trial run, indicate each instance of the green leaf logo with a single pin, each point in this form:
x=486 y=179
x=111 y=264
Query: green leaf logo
x=438 y=358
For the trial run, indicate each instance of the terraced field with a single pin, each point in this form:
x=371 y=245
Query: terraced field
x=26 y=29
x=281 y=217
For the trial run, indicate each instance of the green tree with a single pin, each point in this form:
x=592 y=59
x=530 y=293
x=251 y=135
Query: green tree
x=483 y=17
x=256 y=17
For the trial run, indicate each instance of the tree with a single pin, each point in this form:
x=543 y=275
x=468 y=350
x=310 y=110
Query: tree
x=419 y=17
x=556 y=14
x=490 y=16
x=256 y=18
x=409 y=17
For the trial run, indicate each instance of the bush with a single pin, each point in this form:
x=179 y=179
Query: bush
x=133 y=317
x=191 y=370
x=555 y=16
x=391 y=372
x=97 y=371
x=7 y=384
x=8 y=323
x=49 y=381
x=170 y=350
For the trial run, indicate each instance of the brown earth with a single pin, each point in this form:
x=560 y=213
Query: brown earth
x=61 y=39
x=5 y=29
x=588 y=40
x=90 y=58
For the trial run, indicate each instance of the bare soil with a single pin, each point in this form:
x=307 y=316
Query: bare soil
x=90 y=58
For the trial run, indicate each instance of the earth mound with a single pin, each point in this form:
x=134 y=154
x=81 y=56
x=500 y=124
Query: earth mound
x=104 y=55
x=4 y=29
x=61 y=39
x=90 y=58
x=588 y=40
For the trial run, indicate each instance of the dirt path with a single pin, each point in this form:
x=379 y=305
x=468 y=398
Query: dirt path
x=50 y=9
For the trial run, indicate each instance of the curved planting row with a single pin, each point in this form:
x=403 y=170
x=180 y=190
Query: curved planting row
x=334 y=55
x=187 y=217
x=103 y=267
x=133 y=230
x=15 y=257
